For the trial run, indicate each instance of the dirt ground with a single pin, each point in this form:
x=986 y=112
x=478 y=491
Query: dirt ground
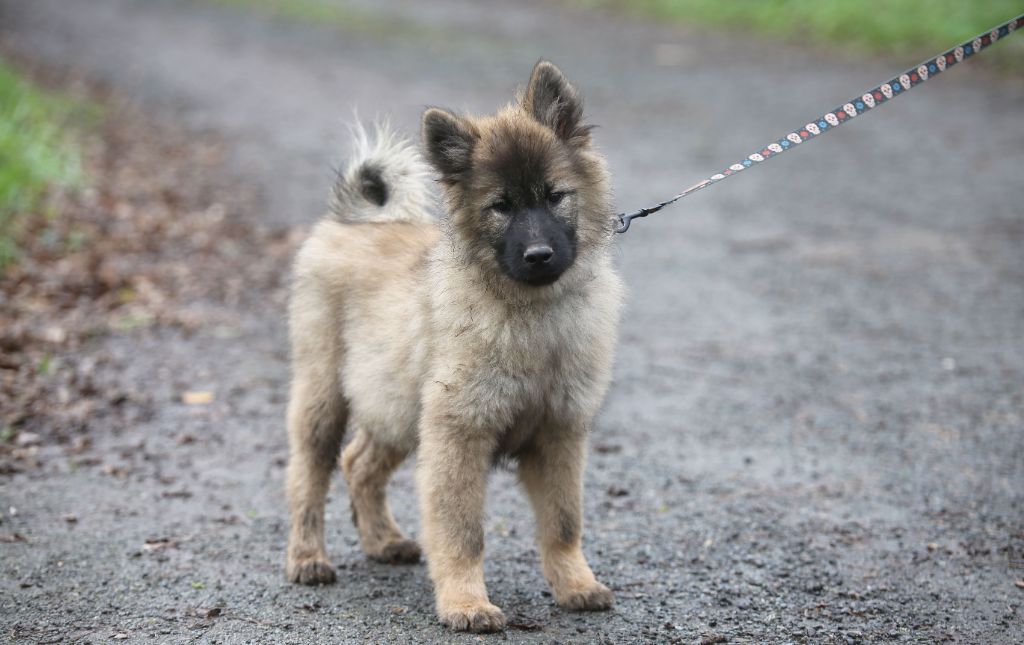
x=816 y=430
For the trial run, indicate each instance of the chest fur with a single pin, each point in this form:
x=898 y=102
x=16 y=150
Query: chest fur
x=514 y=371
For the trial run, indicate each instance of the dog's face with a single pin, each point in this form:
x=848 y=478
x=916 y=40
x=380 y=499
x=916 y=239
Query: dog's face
x=527 y=194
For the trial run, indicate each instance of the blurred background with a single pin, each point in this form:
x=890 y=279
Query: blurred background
x=815 y=430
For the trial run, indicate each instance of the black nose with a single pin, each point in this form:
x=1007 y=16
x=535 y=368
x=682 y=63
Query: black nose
x=538 y=254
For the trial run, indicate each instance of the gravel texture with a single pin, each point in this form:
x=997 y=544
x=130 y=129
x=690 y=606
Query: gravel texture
x=816 y=431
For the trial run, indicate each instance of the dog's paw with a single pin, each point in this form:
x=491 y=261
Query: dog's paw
x=476 y=617
x=399 y=552
x=596 y=597
x=311 y=571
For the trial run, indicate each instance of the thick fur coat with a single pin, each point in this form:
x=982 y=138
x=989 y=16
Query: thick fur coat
x=485 y=337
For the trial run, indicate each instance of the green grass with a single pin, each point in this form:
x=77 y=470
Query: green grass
x=901 y=27
x=36 y=154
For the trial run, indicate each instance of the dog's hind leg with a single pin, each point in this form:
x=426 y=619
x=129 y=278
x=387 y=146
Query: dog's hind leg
x=317 y=414
x=368 y=465
x=316 y=425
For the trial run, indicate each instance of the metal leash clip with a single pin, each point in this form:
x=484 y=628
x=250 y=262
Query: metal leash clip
x=625 y=219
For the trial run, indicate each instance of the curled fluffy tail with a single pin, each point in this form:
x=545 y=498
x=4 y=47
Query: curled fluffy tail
x=385 y=180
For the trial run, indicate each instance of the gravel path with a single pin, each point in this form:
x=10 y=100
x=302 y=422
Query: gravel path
x=816 y=432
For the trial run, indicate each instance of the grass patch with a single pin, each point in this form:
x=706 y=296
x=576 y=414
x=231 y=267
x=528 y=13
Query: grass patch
x=901 y=27
x=36 y=154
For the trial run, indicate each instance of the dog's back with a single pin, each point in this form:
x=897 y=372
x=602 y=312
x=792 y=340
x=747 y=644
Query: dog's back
x=353 y=306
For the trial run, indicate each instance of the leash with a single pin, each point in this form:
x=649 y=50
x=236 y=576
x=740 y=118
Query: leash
x=831 y=120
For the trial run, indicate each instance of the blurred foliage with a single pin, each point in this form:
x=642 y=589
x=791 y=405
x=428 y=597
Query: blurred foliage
x=36 y=153
x=903 y=27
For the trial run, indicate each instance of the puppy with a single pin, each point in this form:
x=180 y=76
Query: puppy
x=486 y=337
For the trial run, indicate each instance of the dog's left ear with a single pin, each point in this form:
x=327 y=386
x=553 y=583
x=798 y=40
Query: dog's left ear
x=554 y=102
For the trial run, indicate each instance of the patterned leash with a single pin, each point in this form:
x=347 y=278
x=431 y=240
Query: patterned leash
x=830 y=120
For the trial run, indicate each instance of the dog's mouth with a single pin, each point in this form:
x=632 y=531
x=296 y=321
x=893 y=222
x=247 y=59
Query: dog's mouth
x=537 y=278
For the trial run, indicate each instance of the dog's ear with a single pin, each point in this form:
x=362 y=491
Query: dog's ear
x=554 y=102
x=449 y=141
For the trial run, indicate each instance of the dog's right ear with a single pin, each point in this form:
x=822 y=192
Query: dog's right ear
x=449 y=141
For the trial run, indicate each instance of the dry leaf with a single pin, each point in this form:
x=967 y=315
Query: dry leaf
x=27 y=439
x=197 y=397
x=156 y=544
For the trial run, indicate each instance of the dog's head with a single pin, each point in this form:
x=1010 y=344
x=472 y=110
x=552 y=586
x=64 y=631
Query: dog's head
x=527 y=194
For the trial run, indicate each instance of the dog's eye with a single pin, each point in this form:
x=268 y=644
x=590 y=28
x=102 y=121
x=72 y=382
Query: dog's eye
x=556 y=197
x=501 y=206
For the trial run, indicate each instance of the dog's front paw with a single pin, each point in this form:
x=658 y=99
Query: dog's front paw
x=595 y=597
x=310 y=571
x=473 y=617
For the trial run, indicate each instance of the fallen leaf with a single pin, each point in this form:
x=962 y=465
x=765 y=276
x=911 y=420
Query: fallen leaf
x=79 y=445
x=197 y=397
x=617 y=491
x=1019 y=583
x=11 y=538
x=56 y=335
x=156 y=544
x=69 y=518
x=525 y=625
x=212 y=612
x=26 y=439
x=120 y=472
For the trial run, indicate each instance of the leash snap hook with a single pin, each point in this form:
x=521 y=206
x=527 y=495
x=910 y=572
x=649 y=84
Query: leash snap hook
x=625 y=219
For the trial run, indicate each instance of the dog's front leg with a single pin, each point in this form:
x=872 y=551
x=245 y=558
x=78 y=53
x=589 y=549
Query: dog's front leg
x=552 y=473
x=452 y=475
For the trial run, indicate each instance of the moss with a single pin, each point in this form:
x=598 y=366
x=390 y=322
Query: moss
x=37 y=153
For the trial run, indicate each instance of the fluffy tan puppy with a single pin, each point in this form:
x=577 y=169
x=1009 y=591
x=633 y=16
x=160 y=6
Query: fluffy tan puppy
x=486 y=337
